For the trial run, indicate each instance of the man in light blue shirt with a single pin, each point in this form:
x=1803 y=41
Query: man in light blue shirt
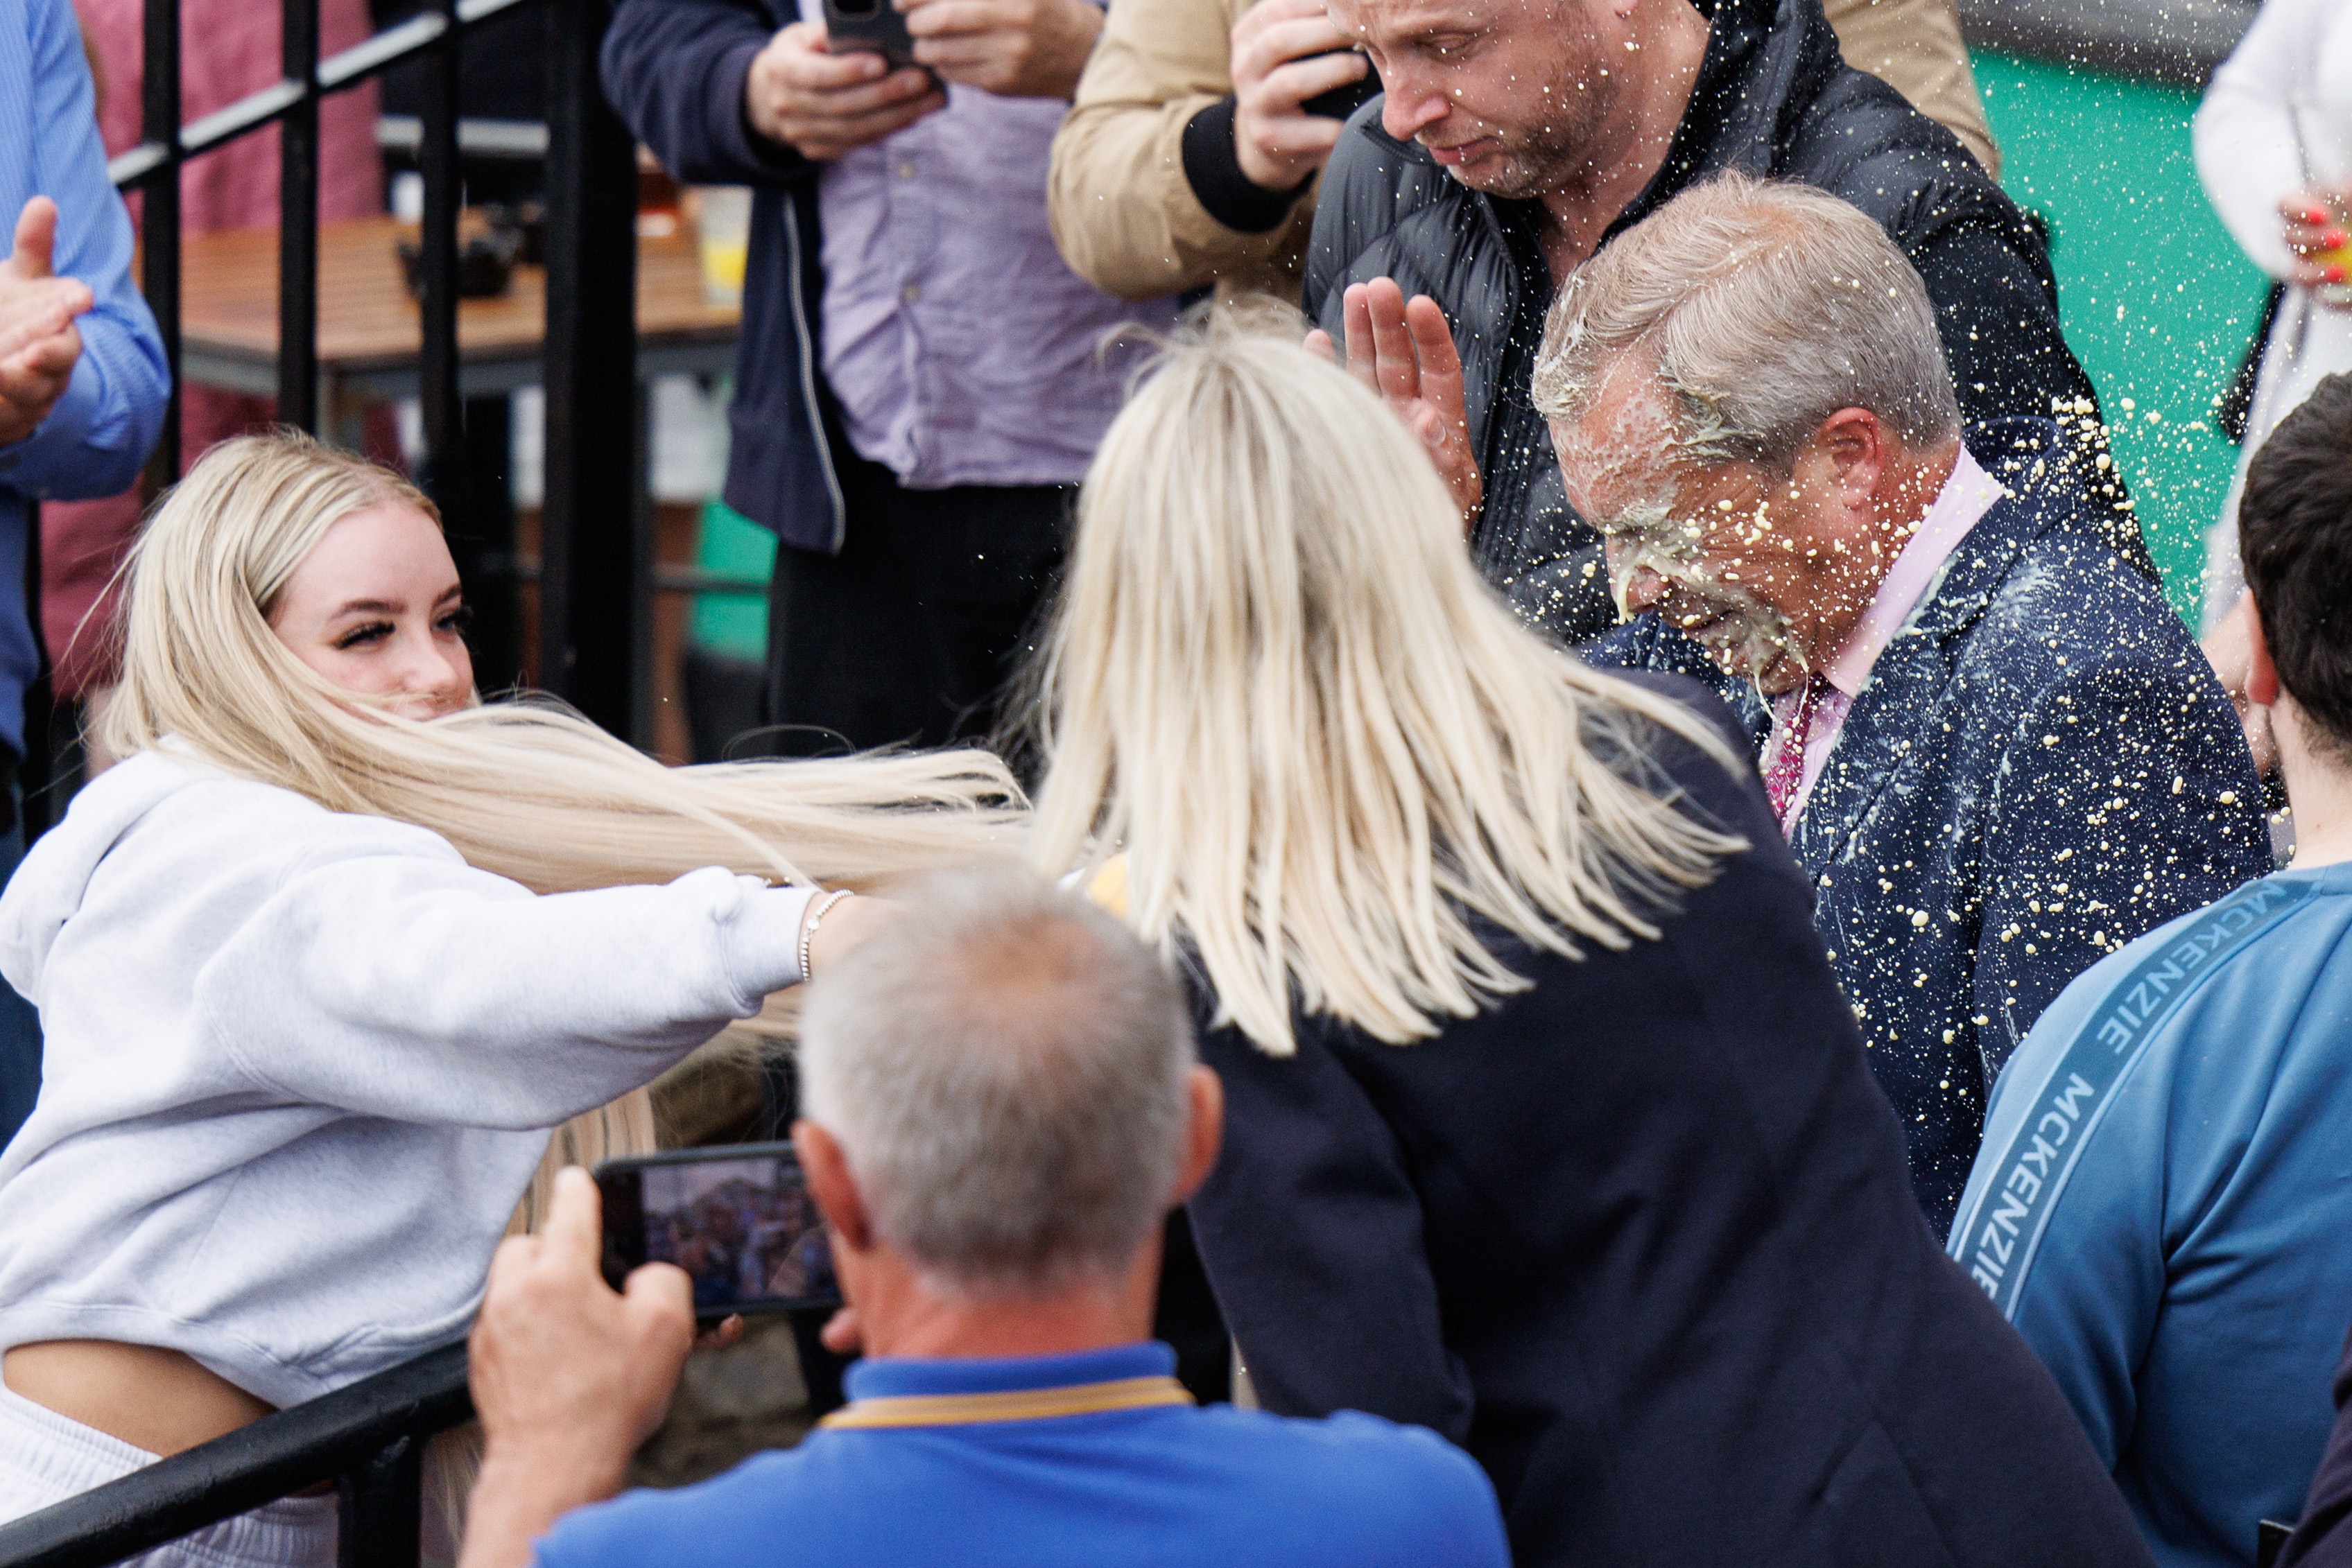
x=2163 y=1200
x=82 y=381
x=1003 y=1106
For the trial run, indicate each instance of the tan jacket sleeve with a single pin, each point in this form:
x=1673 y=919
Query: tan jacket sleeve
x=1914 y=47
x=1122 y=213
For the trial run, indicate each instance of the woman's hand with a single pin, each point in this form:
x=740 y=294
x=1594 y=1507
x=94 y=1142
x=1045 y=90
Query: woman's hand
x=2318 y=235
x=842 y=926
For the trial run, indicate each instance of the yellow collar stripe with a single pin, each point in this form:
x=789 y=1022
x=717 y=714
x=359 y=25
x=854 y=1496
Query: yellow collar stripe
x=1014 y=1405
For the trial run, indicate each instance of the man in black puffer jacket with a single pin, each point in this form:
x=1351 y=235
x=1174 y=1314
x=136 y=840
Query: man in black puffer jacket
x=1518 y=137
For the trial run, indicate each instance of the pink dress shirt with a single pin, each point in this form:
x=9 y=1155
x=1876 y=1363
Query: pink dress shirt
x=1966 y=496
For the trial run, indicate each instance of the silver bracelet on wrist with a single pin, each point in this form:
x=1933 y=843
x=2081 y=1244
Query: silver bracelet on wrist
x=817 y=909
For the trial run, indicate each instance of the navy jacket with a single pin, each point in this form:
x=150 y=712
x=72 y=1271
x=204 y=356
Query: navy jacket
x=2040 y=768
x=1641 y=1239
x=674 y=71
x=2323 y=1535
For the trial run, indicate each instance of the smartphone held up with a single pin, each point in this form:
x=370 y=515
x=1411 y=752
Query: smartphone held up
x=739 y=1219
x=870 y=27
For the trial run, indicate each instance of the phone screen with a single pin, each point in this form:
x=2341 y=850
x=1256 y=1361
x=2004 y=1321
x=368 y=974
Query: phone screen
x=739 y=1220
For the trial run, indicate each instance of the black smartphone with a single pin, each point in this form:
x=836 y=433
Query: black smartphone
x=873 y=27
x=1339 y=102
x=738 y=1218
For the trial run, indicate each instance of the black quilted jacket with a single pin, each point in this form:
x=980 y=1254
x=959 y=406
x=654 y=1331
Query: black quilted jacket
x=1773 y=99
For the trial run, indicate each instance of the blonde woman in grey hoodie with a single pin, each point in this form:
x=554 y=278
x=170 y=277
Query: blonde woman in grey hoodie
x=323 y=961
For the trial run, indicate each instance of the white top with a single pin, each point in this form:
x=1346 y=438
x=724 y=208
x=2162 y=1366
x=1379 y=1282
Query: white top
x=299 y=1065
x=2277 y=117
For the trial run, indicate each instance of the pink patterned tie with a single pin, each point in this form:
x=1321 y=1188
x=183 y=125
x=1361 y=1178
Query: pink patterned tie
x=1786 y=777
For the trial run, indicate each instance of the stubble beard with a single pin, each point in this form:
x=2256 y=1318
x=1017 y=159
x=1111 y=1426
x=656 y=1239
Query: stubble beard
x=1538 y=159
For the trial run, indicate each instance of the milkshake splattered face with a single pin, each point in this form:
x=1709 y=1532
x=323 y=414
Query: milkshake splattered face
x=1756 y=566
x=1507 y=95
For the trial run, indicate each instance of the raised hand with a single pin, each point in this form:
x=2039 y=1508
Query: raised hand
x=39 y=343
x=1406 y=353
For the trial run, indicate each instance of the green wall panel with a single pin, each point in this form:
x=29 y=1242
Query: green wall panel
x=2156 y=301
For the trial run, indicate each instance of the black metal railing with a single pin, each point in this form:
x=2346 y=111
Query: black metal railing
x=596 y=575
x=367 y=1439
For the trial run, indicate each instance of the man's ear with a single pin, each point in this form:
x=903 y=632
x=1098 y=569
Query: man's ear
x=830 y=1182
x=2261 y=674
x=1855 y=446
x=1205 y=1133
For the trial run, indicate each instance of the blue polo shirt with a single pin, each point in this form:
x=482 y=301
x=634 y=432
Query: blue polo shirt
x=1085 y=1459
x=2162 y=1205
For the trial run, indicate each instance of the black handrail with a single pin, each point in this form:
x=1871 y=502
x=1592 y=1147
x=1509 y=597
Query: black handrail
x=369 y=1438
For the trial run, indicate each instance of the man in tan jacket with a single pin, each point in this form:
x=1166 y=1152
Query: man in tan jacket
x=1187 y=161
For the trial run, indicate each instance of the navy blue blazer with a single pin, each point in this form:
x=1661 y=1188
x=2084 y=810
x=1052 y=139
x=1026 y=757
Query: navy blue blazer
x=2040 y=768
x=1641 y=1239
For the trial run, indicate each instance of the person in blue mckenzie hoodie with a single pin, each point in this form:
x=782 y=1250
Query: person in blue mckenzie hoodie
x=1003 y=1106
x=2160 y=1204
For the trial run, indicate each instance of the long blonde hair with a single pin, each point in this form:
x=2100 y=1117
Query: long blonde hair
x=529 y=790
x=1277 y=686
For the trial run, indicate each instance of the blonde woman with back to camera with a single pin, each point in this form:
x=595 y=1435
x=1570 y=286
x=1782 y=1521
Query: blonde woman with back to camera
x=324 y=960
x=1548 y=1128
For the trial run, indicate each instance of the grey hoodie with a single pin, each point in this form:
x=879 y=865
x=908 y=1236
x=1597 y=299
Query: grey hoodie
x=299 y=1065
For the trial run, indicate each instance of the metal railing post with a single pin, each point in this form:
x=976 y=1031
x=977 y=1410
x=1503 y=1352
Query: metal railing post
x=298 y=221
x=378 y=1524
x=436 y=156
x=159 y=270
x=593 y=587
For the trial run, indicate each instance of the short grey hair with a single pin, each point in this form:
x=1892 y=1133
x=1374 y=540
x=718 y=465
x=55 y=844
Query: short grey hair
x=1763 y=309
x=1007 y=1070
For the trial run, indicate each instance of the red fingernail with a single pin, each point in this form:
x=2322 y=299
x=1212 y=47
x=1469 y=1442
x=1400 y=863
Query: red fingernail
x=2333 y=272
x=2333 y=239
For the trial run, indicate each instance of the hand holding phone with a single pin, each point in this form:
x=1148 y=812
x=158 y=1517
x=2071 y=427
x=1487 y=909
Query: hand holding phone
x=823 y=100
x=1292 y=69
x=868 y=26
x=1013 y=48
x=740 y=1219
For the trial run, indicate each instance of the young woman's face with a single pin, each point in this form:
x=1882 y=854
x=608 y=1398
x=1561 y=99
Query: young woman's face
x=375 y=608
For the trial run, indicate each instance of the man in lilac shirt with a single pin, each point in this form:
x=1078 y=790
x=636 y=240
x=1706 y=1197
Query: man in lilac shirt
x=1995 y=751
x=921 y=380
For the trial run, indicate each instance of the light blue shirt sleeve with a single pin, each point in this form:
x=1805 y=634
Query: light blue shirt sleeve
x=101 y=429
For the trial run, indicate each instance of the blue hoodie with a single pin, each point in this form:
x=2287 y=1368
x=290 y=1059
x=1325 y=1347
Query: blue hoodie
x=2163 y=1200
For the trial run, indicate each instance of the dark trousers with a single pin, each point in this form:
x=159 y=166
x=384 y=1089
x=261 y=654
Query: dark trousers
x=20 y=1024
x=911 y=632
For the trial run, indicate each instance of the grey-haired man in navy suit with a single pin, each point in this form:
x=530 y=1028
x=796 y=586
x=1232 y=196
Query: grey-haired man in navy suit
x=1995 y=750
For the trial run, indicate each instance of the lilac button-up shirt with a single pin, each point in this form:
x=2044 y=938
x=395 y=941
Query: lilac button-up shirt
x=962 y=351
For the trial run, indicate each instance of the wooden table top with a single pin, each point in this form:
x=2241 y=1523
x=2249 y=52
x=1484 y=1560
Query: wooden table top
x=228 y=304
